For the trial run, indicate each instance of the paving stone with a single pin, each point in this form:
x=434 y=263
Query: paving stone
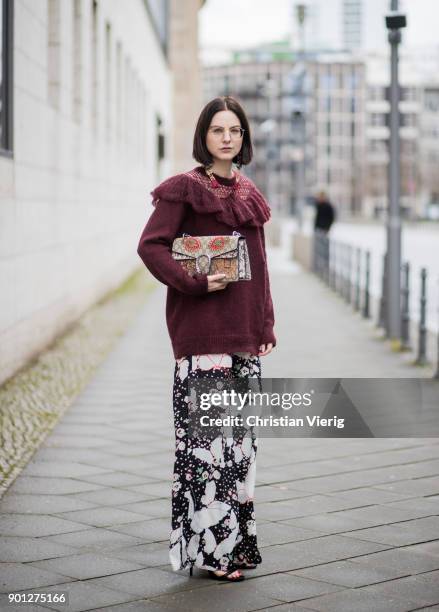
x=400 y=558
x=305 y=506
x=287 y=587
x=412 y=588
x=35 y=525
x=420 y=506
x=41 y=504
x=80 y=455
x=157 y=489
x=140 y=605
x=334 y=547
x=349 y=574
x=5 y=604
x=31 y=549
x=83 y=595
x=426 y=548
x=267 y=493
x=148 y=582
x=278 y=533
x=415 y=487
x=402 y=533
x=102 y=517
x=154 y=530
x=50 y=486
x=51 y=469
x=369 y=495
x=23 y=576
x=116 y=479
x=94 y=539
x=218 y=597
x=151 y=555
x=360 y=601
x=156 y=508
x=87 y=565
x=111 y=496
x=330 y=522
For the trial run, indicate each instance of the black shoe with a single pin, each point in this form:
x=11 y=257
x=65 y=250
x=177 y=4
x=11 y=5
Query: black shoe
x=225 y=577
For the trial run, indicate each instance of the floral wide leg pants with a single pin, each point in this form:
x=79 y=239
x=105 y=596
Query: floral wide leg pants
x=213 y=518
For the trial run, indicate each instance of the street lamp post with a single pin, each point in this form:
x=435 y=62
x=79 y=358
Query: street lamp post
x=394 y=22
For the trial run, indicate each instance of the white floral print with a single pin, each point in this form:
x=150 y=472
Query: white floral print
x=213 y=518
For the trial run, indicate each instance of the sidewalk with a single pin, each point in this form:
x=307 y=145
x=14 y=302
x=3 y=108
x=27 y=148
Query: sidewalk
x=342 y=525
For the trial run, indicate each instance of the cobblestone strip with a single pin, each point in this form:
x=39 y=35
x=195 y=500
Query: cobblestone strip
x=32 y=401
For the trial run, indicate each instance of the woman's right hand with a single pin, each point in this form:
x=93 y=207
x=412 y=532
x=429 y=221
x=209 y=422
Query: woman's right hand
x=215 y=282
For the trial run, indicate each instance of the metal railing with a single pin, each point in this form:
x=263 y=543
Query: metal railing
x=347 y=271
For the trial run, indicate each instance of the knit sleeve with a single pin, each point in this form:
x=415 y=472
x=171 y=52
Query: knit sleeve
x=155 y=244
x=268 y=333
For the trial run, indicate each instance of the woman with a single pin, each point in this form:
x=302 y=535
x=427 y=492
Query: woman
x=218 y=329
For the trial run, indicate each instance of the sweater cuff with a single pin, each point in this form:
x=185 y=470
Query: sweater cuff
x=200 y=285
x=268 y=336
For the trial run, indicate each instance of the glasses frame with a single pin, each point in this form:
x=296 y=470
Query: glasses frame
x=218 y=127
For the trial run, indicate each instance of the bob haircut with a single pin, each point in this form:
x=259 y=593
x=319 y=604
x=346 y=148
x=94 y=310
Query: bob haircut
x=200 y=151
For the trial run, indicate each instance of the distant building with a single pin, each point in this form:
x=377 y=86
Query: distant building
x=419 y=134
x=347 y=118
x=352 y=16
x=334 y=127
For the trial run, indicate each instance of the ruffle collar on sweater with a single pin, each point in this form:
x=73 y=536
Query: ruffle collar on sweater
x=237 y=204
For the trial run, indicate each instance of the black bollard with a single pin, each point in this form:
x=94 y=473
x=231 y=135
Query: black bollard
x=422 y=342
x=327 y=258
x=349 y=274
x=338 y=277
x=382 y=319
x=345 y=271
x=331 y=264
x=357 y=280
x=405 y=312
x=366 y=305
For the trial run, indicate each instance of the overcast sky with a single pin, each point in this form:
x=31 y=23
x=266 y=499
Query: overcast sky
x=241 y=23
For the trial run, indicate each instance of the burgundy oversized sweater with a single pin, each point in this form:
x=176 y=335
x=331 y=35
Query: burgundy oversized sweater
x=237 y=318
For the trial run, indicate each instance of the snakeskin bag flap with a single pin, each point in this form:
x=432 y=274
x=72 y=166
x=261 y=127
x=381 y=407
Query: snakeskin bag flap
x=213 y=255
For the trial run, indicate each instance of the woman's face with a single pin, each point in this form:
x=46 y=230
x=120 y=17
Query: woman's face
x=224 y=138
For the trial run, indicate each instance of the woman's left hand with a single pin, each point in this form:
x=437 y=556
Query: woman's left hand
x=264 y=349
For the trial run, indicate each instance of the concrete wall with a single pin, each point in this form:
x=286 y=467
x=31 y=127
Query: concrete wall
x=75 y=195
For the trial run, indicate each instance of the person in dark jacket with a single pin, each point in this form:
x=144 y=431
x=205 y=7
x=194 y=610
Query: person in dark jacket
x=325 y=216
x=325 y=213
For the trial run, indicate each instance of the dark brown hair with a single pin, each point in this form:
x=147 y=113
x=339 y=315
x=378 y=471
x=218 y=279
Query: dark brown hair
x=200 y=151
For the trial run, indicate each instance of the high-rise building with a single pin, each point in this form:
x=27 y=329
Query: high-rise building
x=352 y=18
x=350 y=25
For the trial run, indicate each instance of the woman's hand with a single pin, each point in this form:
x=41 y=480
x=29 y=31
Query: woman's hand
x=215 y=282
x=264 y=349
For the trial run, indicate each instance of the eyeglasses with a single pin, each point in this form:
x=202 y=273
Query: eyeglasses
x=235 y=132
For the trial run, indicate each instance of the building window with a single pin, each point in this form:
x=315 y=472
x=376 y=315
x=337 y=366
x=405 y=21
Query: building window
x=159 y=13
x=108 y=80
x=94 y=66
x=54 y=52
x=6 y=124
x=77 y=60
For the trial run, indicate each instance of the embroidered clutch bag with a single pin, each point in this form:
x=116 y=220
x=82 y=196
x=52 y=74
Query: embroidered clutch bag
x=213 y=255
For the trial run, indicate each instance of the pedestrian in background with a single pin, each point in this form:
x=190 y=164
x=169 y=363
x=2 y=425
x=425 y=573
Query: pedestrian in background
x=324 y=218
x=325 y=212
x=218 y=330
